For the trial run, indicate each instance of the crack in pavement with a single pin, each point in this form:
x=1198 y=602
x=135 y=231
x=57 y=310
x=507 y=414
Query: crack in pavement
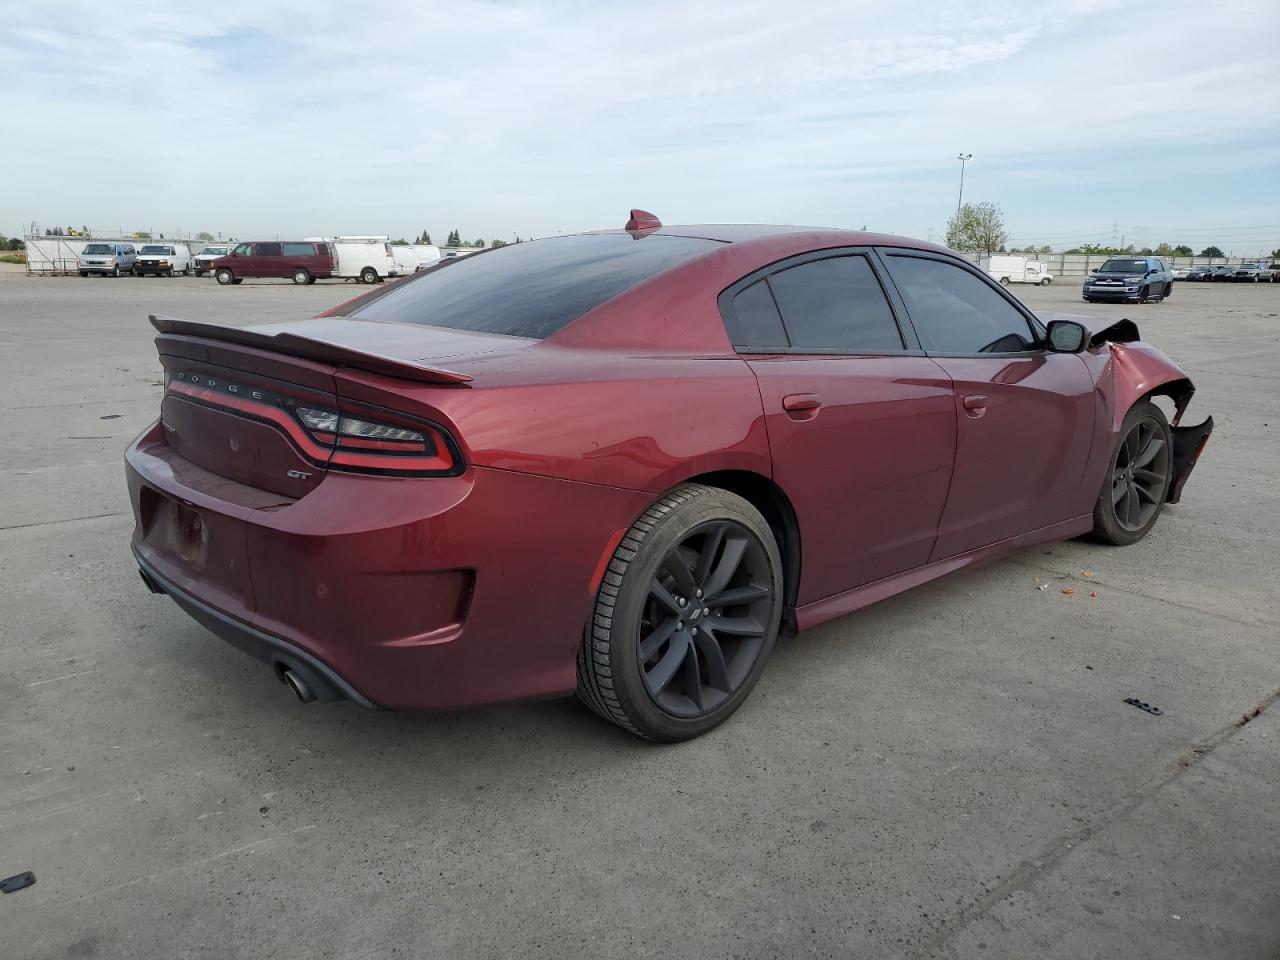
x=1032 y=868
x=49 y=523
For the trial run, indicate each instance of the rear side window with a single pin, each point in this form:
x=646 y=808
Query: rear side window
x=299 y=249
x=955 y=312
x=755 y=325
x=533 y=289
x=322 y=249
x=268 y=250
x=836 y=304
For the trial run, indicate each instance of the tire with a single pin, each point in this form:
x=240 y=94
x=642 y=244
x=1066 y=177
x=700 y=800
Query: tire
x=683 y=540
x=301 y=277
x=186 y=271
x=368 y=275
x=1045 y=281
x=199 y=272
x=1144 y=295
x=1137 y=481
x=1168 y=290
x=238 y=280
x=169 y=272
x=84 y=273
x=224 y=276
x=1004 y=281
x=311 y=280
x=115 y=271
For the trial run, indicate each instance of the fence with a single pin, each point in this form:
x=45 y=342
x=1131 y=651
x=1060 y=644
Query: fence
x=1078 y=265
x=52 y=256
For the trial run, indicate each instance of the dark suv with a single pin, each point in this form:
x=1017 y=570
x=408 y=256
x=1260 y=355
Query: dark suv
x=303 y=261
x=1130 y=279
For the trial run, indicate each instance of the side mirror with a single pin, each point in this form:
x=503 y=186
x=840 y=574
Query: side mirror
x=1067 y=336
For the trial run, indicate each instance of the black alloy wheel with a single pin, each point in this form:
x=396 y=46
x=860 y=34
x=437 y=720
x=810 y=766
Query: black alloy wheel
x=705 y=618
x=685 y=617
x=1137 y=483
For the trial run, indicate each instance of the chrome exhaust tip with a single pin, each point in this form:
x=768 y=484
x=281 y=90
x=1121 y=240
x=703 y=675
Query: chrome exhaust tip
x=297 y=685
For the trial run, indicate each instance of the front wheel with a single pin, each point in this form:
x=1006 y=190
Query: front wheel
x=224 y=276
x=1004 y=281
x=1045 y=281
x=1144 y=294
x=301 y=277
x=1137 y=483
x=115 y=271
x=368 y=275
x=685 y=618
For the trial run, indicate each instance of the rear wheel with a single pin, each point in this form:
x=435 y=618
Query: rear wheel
x=1004 y=281
x=368 y=275
x=685 y=618
x=1045 y=281
x=224 y=276
x=1137 y=482
x=301 y=276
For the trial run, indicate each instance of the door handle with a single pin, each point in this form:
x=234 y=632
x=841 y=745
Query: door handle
x=975 y=405
x=801 y=406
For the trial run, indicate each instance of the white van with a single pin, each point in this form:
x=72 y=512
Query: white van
x=163 y=259
x=363 y=259
x=1008 y=269
x=412 y=257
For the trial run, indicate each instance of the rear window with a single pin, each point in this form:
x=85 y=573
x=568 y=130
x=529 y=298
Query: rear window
x=299 y=249
x=268 y=250
x=533 y=289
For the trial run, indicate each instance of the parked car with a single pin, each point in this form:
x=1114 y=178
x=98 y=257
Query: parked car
x=1223 y=273
x=202 y=262
x=302 y=261
x=107 y=259
x=1250 y=273
x=1132 y=279
x=1010 y=269
x=410 y=258
x=623 y=462
x=1273 y=272
x=1179 y=273
x=1200 y=273
x=363 y=259
x=163 y=259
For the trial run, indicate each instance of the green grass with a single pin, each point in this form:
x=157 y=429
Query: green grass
x=13 y=258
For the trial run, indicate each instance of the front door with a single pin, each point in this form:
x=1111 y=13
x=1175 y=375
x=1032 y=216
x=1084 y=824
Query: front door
x=861 y=425
x=1024 y=416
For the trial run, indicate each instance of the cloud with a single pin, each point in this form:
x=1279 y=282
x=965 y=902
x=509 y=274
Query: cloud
x=538 y=117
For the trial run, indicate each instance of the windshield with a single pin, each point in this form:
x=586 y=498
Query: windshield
x=154 y=248
x=98 y=248
x=1125 y=266
x=533 y=289
x=214 y=251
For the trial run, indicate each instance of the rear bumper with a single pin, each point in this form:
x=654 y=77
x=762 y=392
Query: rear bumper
x=281 y=655
x=404 y=593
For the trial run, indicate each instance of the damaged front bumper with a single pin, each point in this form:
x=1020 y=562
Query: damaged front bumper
x=1188 y=444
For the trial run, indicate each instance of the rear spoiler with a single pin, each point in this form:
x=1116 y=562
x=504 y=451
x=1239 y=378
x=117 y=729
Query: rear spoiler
x=293 y=345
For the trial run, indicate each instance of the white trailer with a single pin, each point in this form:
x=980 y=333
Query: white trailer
x=1011 y=269
x=363 y=259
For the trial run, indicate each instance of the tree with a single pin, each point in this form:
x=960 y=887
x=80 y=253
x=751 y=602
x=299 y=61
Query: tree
x=479 y=244
x=453 y=239
x=1182 y=250
x=977 y=228
x=425 y=237
x=1212 y=252
x=498 y=243
x=204 y=235
x=1275 y=254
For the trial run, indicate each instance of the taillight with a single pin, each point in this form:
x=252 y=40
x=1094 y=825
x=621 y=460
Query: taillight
x=374 y=446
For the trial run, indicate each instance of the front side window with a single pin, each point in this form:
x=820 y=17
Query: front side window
x=268 y=249
x=244 y=250
x=837 y=305
x=299 y=249
x=955 y=312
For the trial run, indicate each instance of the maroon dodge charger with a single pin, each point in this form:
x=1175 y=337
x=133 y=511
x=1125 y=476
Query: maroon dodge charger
x=623 y=462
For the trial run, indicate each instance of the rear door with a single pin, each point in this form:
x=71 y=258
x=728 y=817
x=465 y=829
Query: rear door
x=1024 y=415
x=861 y=424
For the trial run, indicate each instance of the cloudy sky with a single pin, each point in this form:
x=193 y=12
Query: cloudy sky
x=1086 y=118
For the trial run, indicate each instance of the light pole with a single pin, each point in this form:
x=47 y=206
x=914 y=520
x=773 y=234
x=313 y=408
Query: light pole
x=963 y=158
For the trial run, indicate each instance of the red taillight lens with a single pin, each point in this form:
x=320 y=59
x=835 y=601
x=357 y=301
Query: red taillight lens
x=377 y=447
